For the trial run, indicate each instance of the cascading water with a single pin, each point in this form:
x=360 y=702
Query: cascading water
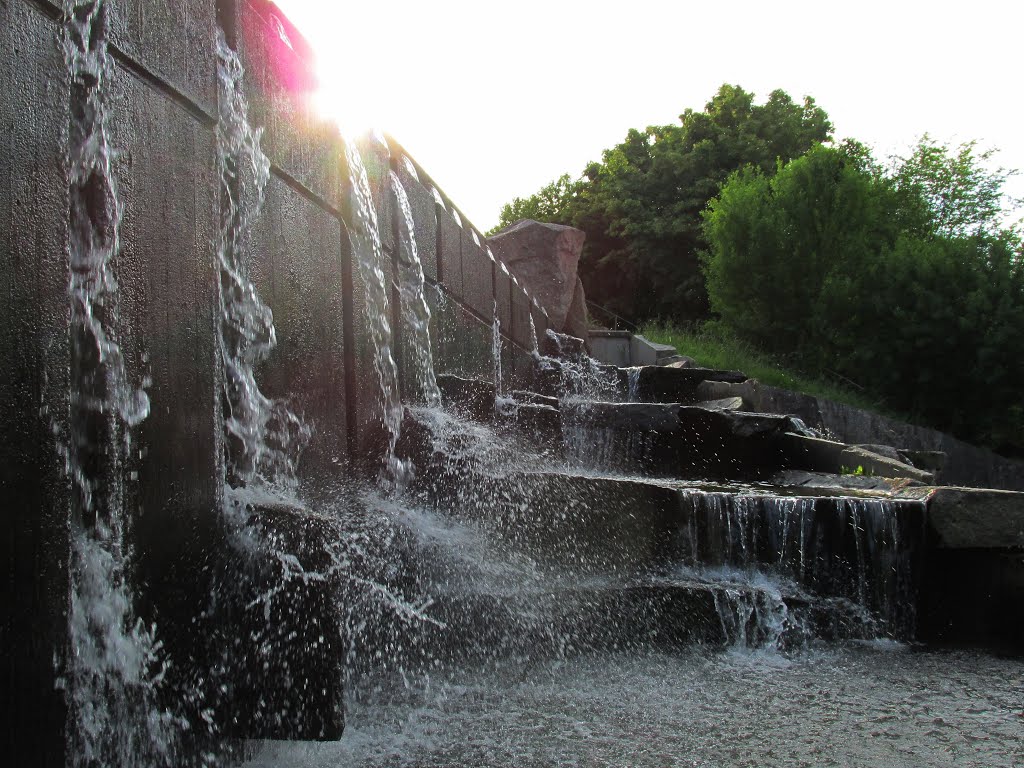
x=848 y=550
x=496 y=352
x=415 y=310
x=115 y=667
x=264 y=437
x=369 y=255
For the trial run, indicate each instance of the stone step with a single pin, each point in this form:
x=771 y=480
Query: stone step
x=668 y=384
x=660 y=613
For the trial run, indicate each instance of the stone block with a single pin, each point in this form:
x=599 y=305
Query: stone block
x=681 y=385
x=278 y=86
x=976 y=518
x=175 y=41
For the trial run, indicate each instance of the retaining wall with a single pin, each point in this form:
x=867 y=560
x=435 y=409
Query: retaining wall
x=164 y=100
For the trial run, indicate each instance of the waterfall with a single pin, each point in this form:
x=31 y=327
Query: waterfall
x=264 y=438
x=496 y=351
x=369 y=253
x=415 y=310
x=845 y=548
x=115 y=665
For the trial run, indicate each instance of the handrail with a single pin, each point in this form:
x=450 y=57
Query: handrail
x=617 y=318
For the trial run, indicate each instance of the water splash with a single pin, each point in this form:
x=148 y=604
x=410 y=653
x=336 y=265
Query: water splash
x=264 y=436
x=496 y=352
x=415 y=310
x=370 y=260
x=115 y=666
x=534 y=344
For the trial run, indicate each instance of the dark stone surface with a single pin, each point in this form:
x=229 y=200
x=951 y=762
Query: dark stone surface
x=577 y=322
x=474 y=398
x=559 y=345
x=176 y=41
x=525 y=396
x=449 y=244
x=544 y=257
x=540 y=321
x=278 y=85
x=520 y=331
x=680 y=385
x=290 y=651
x=541 y=422
x=503 y=294
x=964 y=464
x=477 y=277
x=34 y=344
x=974 y=518
x=422 y=205
x=300 y=278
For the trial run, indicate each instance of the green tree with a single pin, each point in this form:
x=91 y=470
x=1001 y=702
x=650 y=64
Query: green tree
x=641 y=205
x=959 y=194
x=551 y=204
x=842 y=268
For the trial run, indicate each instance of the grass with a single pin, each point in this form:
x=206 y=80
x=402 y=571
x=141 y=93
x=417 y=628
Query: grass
x=713 y=348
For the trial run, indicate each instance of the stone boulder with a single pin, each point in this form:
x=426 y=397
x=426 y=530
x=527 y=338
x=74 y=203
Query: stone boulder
x=576 y=321
x=544 y=258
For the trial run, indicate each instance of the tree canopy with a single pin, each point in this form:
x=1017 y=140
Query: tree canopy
x=641 y=205
x=904 y=282
x=901 y=276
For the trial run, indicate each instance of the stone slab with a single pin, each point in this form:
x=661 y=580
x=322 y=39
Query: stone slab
x=975 y=518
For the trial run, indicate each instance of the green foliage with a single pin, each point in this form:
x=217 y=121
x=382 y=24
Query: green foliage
x=714 y=346
x=641 y=205
x=551 y=204
x=903 y=283
x=956 y=193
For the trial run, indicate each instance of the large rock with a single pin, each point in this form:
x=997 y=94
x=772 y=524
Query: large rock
x=576 y=321
x=544 y=258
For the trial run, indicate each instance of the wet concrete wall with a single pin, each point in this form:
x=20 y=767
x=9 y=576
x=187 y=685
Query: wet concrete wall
x=164 y=106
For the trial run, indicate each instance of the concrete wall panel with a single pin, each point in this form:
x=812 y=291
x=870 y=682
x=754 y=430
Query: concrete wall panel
x=278 y=85
x=422 y=204
x=34 y=345
x=477 y=277
x=521 y=304
x=449 y=242
x=173 y=40
x=300 y=279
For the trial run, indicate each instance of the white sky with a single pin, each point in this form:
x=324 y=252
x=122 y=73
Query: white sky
x=496 y=99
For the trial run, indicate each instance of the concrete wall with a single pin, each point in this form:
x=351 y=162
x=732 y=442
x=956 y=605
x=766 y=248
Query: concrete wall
x=164 y=97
